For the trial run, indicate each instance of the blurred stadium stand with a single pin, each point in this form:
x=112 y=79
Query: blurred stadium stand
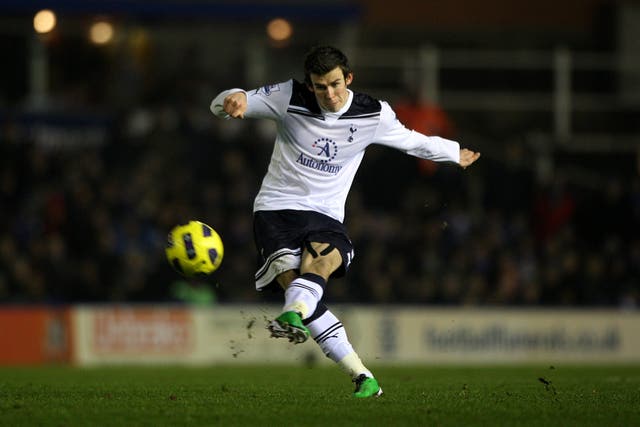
x=103 y=148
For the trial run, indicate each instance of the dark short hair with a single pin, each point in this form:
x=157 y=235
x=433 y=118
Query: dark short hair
x=322 y=59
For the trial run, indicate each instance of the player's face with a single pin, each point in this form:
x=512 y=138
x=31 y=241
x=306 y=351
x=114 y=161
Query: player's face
x=331 y=89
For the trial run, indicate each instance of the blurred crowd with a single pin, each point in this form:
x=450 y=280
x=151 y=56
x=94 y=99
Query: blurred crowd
x=91 y=183
x=89 y=223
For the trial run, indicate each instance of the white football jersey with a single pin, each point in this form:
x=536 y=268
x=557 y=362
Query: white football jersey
x=317 y=153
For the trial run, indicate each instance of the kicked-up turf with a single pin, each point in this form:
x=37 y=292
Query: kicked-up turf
x=320 y=396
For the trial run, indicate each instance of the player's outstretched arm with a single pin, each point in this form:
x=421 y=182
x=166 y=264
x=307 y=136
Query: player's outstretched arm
x=467 y=157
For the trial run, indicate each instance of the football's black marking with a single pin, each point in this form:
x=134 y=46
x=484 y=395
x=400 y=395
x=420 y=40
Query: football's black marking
x=213 y=255
x=188 y=245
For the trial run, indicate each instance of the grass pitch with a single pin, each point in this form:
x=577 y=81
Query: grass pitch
x=320 y=396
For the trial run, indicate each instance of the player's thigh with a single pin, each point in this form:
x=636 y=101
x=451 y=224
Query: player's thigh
x=321 y=259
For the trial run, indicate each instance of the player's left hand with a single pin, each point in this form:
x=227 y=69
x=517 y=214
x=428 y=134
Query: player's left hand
x=467 y=157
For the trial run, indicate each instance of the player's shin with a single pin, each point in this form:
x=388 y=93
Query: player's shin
x=327 y=330
x=303 y=294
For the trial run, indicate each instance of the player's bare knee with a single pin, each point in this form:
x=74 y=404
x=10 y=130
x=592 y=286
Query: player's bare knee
x=321 y=258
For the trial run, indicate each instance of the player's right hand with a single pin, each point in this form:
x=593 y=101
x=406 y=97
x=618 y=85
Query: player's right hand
x=235 y=105
x=467 y=157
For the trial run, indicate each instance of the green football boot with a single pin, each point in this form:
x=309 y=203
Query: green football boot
x=366 y=387
x=289 y=325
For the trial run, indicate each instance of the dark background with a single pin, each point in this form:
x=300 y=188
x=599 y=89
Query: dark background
x=103 y=148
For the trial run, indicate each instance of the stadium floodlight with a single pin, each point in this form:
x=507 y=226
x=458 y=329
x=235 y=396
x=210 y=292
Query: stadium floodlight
x=279 y=29
x=44 y=21
x=101 y=32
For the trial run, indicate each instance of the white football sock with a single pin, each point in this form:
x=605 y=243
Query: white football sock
x=303 y=294
x=328 y=332
x=353 y=366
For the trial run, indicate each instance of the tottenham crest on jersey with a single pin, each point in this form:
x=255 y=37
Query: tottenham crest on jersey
x=352 y=131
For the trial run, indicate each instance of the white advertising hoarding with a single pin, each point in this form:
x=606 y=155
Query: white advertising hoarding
x=424 y=335
x=429 y=335
x=180 y=335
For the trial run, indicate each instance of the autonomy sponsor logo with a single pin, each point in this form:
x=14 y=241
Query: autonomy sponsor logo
x=328 y=150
